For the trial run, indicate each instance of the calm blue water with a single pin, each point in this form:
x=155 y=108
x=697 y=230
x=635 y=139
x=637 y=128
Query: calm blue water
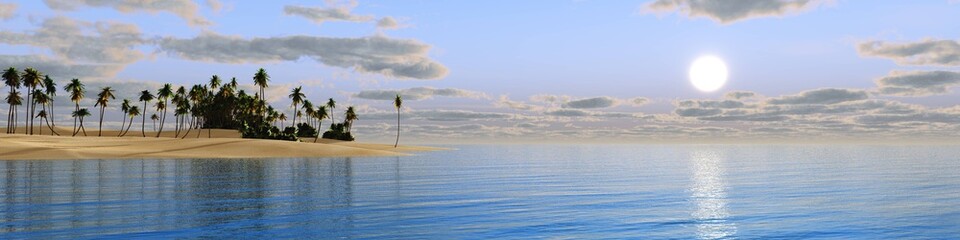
x=478 y=192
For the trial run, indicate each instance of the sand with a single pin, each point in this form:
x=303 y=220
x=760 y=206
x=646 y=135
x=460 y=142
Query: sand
x=223 y=144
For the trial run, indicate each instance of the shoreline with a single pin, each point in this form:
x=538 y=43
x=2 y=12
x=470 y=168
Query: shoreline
x=224 y=144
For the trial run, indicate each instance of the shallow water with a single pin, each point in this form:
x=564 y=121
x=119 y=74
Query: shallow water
x=478 y=192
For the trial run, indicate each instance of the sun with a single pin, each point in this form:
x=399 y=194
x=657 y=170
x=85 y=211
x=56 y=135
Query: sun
x=708 y=73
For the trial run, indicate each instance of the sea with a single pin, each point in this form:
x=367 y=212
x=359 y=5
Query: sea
x=615 y=191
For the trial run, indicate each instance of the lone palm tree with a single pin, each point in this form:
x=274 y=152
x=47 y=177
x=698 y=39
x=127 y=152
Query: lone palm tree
x=261 y=79
x=145 y=97
x=81 y=114
x=350 y=116
x=31 y=79
x=76 y=90
x=154 y=117
x=102 y=99
x=12 y=79
x=133 y=112
x=125 y=108
x=14 y=100
x=332 y=105
x=297 y=97
x=397 y=103
x=51 y=91
x=162 y=95
x=321 y=114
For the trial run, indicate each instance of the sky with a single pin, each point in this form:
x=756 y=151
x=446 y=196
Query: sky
x=529 y=71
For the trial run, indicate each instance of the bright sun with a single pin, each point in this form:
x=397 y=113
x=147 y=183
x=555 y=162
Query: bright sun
x=708 y=73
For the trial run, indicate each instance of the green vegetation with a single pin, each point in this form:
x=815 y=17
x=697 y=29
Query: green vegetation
x=212 y=105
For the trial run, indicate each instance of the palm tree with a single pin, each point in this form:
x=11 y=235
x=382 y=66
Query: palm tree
x=81 y=113
x=154 y=117
x=76 y=90
x=398 y=103
x=125 y=108
x=39 y=97
x=12 y=79
x=103 y=98
x=297 y=97
x=13 y=100
x=332 y=105
x=260 y=79
x=179 y=99
x=51 y=91
x=282 y=118
x=214 y=82
x=145 y=97
x=163 y=94
x=31 y=79
x=309 y=111
x=321 y=113
x=351 y=115
x=133 y=112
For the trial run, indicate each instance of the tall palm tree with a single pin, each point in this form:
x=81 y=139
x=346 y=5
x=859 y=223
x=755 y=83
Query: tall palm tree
x=398 y=103
x=350 y=116
x=163 y=94
x=31 y=79
x=145 y=97
x=103 y=98
x=260 y=79
x=309 y=111
x=125 y=108
x=51 y=91
x=43 y=116
x=76 y=90
x=81 y=113
x=214 y=82
x=321 y=113
x=133 y=112
x=297 y=97
x=12 y=79
x=179 y=99
x=332 y=105
x=282 y=118
x=14 y=100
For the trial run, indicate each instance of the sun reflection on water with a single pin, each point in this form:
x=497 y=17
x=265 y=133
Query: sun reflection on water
x=708 y=192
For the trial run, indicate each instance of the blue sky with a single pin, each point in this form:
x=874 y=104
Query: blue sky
x=498 y=54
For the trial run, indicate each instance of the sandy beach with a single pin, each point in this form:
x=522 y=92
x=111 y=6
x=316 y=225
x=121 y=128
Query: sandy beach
x=222 y=144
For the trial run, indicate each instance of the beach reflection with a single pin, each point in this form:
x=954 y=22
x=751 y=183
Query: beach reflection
x=708 y=192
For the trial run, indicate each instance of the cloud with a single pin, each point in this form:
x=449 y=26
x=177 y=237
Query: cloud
x=388 y=23
x=505 y=102
x=918 y=83
x=66 y=38
x=740 y=95
x=186 y=9
x=587 y=103
x=418 y=93
x=376 y=54
x=215 y=5
x=697 y=112
x=60 y=69
x=925 y=52
x=321 y=15
x=710 y=104
x=7 y=10
x=821 y=96
x=727 y=12
x=638 y=101
x=568 y=113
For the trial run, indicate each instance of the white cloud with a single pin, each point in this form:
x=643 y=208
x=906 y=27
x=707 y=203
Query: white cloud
x=925 y=52
x=321 y=15
x=388 y=23
x=113 y=42
x=587 y=103
x=186 y=9
x=727 y=12
x=918 y=83
x=377 y=54
x=821 y=96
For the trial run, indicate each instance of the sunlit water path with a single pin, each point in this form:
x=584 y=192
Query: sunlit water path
x=567 y=191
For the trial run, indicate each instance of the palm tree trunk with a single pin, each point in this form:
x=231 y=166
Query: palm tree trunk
x=162 y=119
x=100 y=133
x=318 y=131
x=82 y=128
x=122 y=123
x=75 y=120
x=128 y=127
x=398 y=128
x=51 y=123
x=26 y=122
x=143 y=123
x=189 y=127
